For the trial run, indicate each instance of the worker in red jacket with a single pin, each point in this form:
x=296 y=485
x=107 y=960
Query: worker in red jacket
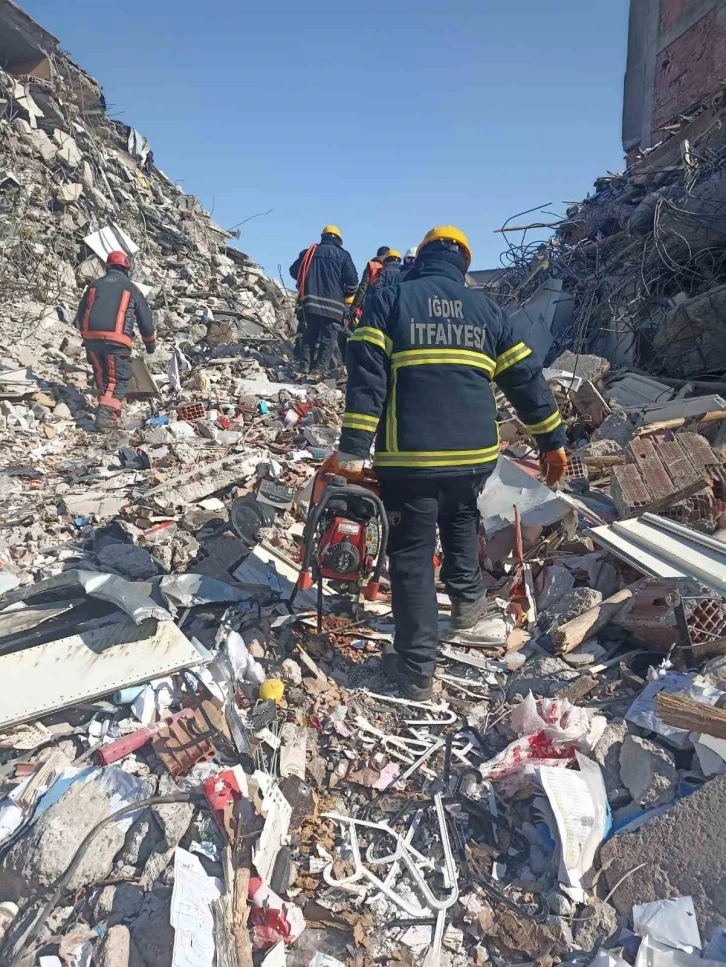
x=108 y=311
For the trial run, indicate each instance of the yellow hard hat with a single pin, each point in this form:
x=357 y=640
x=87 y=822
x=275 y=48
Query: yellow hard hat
x=332 y=230
x=392 y=253
x=450 y=234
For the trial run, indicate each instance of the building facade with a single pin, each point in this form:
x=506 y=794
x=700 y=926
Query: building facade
x=676 y=60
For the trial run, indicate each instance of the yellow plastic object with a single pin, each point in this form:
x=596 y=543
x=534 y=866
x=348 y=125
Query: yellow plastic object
x=392 y=253
x=450 y=234
x=272 y=690
x=349 y=300
x=332 y=230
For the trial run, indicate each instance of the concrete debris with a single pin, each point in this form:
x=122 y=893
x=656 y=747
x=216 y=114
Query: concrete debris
x=677 y=853
x=154 y=659
x=648 y=771
x=570 y=605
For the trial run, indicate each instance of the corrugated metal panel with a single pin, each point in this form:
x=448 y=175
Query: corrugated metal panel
x=49 y=677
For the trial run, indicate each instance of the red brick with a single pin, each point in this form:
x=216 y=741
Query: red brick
x=687 y=71
x=671 y=12
x=628 y=489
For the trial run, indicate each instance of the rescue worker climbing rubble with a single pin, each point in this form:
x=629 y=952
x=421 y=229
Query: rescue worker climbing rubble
x=368 y=278
x=420 y=369
x=325 y=275
x=106 y=315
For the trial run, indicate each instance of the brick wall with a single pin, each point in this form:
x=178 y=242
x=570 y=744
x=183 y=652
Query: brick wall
x=671 y=12
x=685 y=71
x=676 y=60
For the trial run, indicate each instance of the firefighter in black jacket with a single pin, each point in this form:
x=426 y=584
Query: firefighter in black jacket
x=106 y=315
x=325 y=276
x=420 y=369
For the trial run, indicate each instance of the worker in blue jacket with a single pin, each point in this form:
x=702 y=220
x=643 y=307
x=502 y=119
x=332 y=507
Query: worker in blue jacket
x=391 y=270
x=325 y=276
x=420 y=370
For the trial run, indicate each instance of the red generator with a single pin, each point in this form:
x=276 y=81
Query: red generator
x=345 y=538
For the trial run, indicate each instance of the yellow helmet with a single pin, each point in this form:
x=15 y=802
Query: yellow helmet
x=392 y=253
x=332 y=230
x=450 y=234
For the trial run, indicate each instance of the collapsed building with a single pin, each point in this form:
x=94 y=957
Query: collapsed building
x=75 y=185
x=196 y=769
x=636 y=272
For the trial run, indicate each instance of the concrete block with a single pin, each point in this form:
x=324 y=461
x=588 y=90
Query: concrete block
x=684 y=852
x=648 y=771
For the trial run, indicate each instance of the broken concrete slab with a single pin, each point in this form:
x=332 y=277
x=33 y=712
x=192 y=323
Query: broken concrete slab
x=558 y=580
x=208 y=479
x=648 y=771
x=543 y=676
x=40 y=857
x=134 y=563
x=173 y=819
x=607 y=754
x=151 y=929
x=683 y=852
x=570 y=605
x=618 y=427
x=597 y=925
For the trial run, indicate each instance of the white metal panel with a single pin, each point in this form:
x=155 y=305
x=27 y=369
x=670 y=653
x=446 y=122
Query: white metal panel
x=702 y=563
x=53 y=676
x=627 y=550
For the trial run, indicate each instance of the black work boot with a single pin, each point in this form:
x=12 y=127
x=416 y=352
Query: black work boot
x=106 y=418
x=465 y=614
x=414 y=687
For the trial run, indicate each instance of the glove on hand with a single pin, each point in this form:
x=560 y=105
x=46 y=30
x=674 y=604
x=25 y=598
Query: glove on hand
x=554 y=466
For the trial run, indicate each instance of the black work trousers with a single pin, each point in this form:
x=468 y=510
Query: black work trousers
x=414 y=506
x=321 y=332
x=111 y=364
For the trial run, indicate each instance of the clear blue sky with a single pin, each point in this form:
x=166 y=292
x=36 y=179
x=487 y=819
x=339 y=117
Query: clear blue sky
x=385 y=118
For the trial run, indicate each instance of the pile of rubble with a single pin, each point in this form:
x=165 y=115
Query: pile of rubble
x=192 y=773
x=637 y=271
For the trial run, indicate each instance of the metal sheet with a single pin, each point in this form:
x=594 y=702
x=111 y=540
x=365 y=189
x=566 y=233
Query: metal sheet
x=53 y=676
x=700 y=562
x=661 y=548
x=632 y=553
x=110 y=238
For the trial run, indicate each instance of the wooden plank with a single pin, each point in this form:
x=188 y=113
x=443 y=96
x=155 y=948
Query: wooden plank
x=587 y=625
x=684 y=713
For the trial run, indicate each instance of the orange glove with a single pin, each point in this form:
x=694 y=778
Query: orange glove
x=345 y=465
x=554 y=466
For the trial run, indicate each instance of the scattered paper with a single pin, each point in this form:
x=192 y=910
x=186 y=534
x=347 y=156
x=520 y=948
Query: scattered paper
x=579 y=805
x=294 y=747
x=191 y=912
x=671 y=922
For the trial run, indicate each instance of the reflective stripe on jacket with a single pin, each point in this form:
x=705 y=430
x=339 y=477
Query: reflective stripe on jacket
x=420 y=368
x=111 y=306
x=329 y=278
